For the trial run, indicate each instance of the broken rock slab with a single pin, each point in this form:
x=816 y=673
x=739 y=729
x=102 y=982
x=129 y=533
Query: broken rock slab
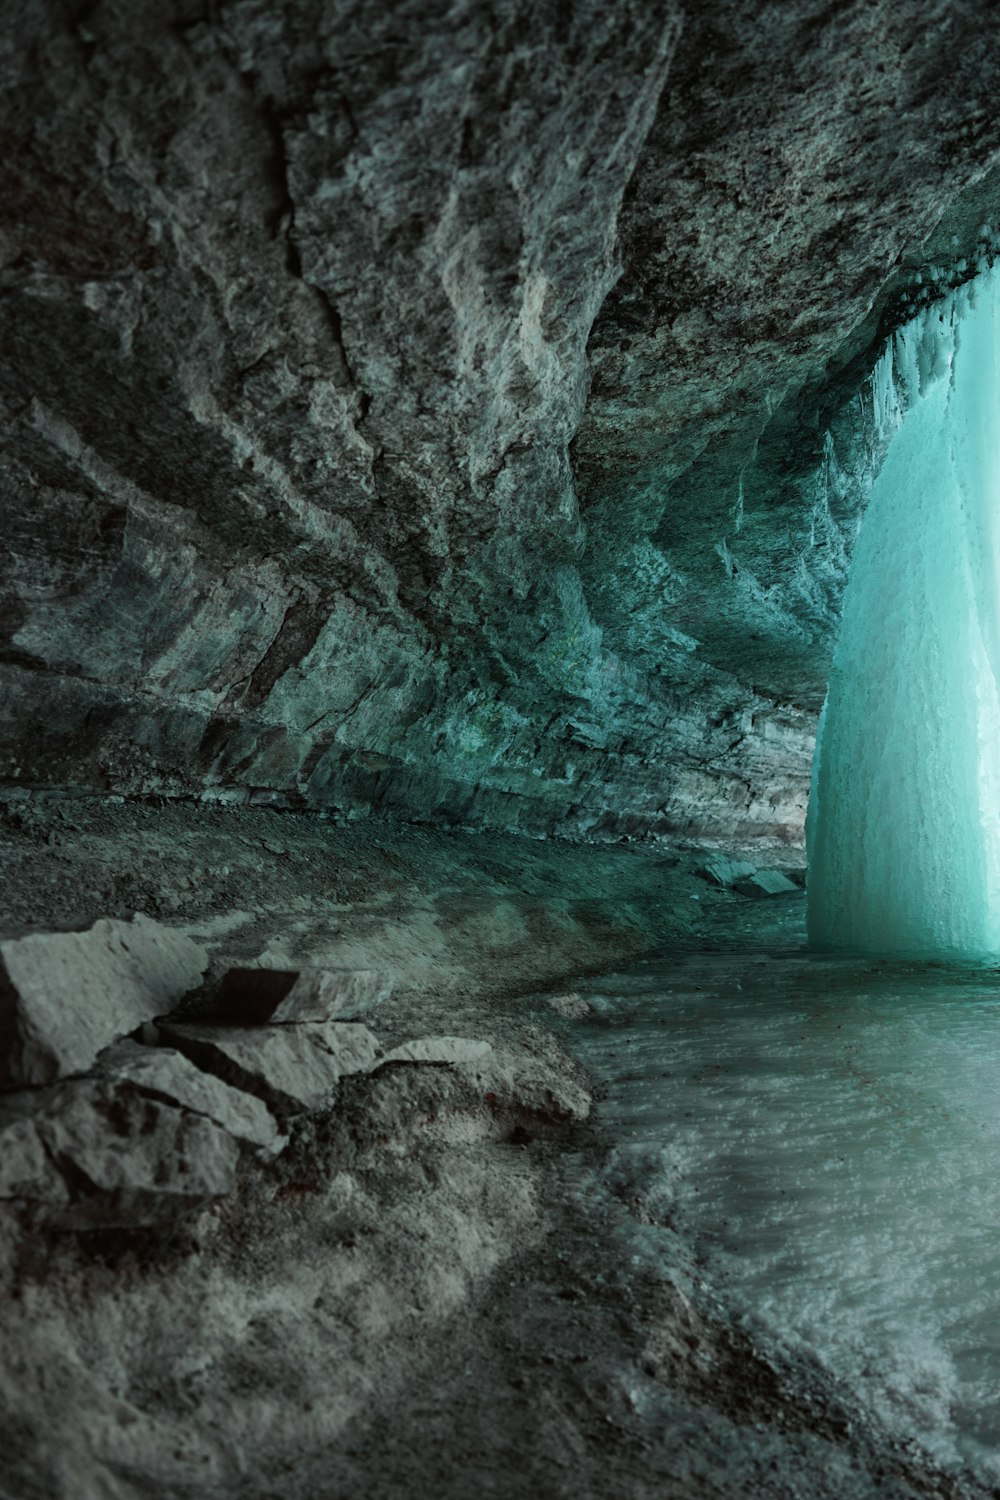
x=64 y=996
x=168 y=1074
x=250 y=997
x=111 y=1156
x=766 y=883
x=447 y=1051
x=291 y=1068
x=722 y=871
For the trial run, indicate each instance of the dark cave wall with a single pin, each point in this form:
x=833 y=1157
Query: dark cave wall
x=423 y=407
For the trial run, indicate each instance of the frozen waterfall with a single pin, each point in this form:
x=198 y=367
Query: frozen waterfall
x=904 y=818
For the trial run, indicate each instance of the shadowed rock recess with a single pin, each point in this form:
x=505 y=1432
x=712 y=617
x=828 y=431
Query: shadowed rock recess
x=457 y=413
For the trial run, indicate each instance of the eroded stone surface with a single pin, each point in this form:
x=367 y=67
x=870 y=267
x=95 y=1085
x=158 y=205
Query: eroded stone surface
x=571 y=1005
x=721 y=870
x=168 y=1074
x=444 y=1050
x=290 y=1067
x=66 y=995
x=116 y=1156
x=27 y=1172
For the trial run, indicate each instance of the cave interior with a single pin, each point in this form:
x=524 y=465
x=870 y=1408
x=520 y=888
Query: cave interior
x=499 y=749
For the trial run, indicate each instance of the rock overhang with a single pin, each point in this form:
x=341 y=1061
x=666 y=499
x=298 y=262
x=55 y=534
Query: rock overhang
x=432 y=416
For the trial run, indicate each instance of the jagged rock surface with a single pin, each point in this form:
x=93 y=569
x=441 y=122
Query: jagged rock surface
x=64 y=996
x=95 y=1153
x=291 y=1068
x=164 y=1073
x=288 y=996
x=422 y=407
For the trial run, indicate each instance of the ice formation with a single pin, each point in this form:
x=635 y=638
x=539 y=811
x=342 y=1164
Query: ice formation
x=824 y=1153
x=904 y=819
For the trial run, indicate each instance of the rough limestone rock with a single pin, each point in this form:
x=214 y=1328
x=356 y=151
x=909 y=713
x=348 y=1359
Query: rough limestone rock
x=281 y=996
x=125 y=1159
x=292 y=1068
x=167 y=1074
x=443 y=1050
x=66 y=995
x=451 y=408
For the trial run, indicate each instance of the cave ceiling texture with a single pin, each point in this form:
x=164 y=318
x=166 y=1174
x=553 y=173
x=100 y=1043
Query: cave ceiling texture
x=452 y=409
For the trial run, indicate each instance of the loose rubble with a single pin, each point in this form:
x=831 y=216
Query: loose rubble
x=746 y=879
x=152 y=1125
x=766 y=883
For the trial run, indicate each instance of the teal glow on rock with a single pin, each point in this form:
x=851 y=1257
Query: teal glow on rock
x=903 y=829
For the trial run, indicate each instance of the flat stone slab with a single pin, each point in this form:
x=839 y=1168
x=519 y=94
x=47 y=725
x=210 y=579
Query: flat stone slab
x=725 y=872
x=98 y=1153
x=767 y=883
x=292 y=1068
x=290 y=996
x=65 y=996
x=168 y=1074
x=443 y=1050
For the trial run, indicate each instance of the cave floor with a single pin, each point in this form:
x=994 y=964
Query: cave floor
x=436 y=1292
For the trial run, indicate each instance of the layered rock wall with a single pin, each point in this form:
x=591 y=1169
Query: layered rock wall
x=422 y=407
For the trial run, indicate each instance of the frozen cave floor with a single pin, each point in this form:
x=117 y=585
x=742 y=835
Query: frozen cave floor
x=458 y=1282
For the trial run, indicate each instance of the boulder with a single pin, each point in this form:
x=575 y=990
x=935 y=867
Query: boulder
x=115 y=1156
x=168 y=1074
x=442 y=1050
x=64 y=996
x=292 y=1068
x=283 y=996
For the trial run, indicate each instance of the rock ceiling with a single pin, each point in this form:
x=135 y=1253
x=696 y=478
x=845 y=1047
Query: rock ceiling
x=452 y=408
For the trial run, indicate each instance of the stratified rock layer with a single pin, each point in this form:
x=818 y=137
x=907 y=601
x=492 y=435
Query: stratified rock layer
x=422 y=406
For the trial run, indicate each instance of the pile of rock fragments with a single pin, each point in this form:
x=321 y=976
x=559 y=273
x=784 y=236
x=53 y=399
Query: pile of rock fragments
x=124 y=1104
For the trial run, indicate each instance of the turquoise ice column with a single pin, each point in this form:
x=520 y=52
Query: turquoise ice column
x=903 y=831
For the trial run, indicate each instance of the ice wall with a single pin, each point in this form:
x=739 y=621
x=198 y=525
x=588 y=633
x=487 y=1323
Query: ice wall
x=903 y=829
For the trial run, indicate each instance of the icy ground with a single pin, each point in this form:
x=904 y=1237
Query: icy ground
x=825 y=1132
